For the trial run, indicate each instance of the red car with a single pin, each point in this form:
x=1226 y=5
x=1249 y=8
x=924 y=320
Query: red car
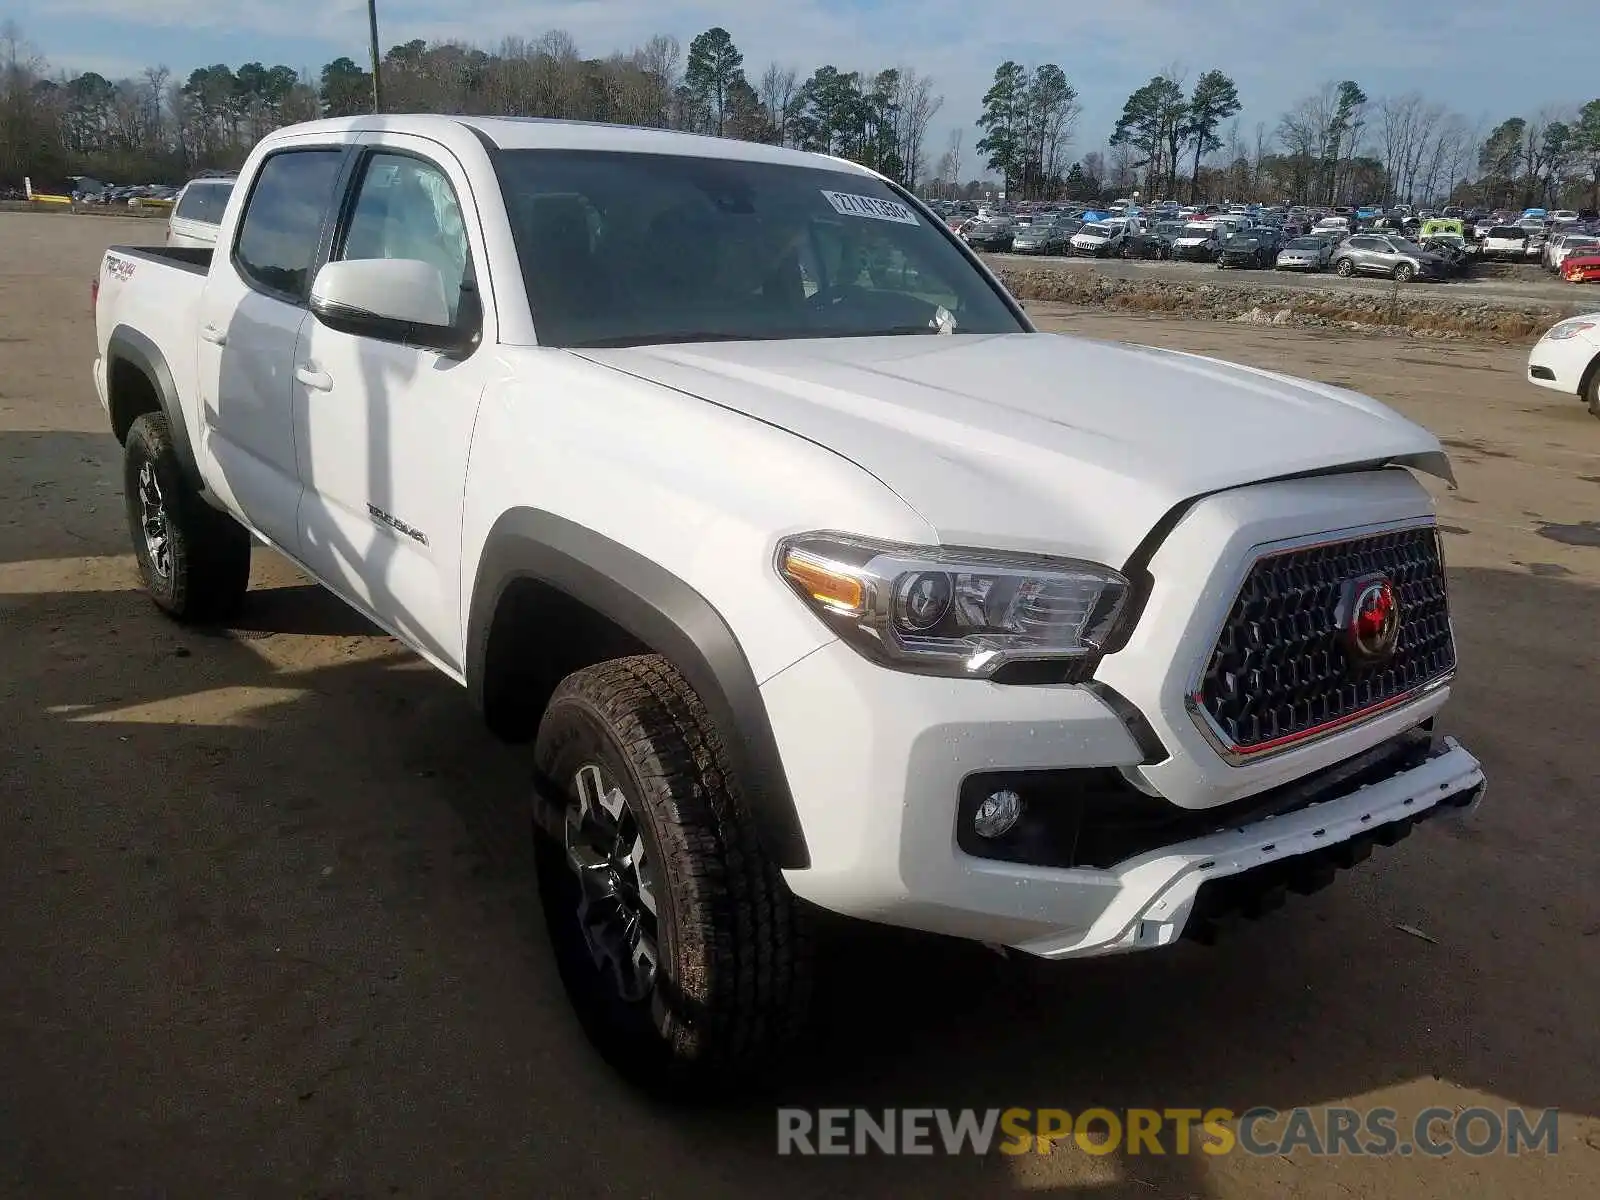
x=1582 y=268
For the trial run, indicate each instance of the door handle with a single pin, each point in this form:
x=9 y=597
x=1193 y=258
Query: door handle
x=210 y=333
x=317 y=381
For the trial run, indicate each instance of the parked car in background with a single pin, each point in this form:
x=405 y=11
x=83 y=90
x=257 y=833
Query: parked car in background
x=1384 y=254
x=1142 y=241
x=1504 y=242
x=1165 y=234
x=1582 y=266
x=1199 y=242
x=1045 y=236
x=1538 y=234
x=1453 y=248
x=1558 y=248
x=1567 y=359
x=197 y=215
x=990 y=233
x=1305 y=254
x=1101 y=239
x=1256 y=248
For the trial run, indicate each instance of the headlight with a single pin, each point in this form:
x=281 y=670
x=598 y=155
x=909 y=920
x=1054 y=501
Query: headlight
x=1568 y=329
x=966 y=613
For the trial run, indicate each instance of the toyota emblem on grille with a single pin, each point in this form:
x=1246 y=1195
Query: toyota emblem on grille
x=1369 y=621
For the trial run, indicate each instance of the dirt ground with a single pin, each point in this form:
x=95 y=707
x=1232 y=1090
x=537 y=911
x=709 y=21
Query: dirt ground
x=1488 y=283
x=266 y=927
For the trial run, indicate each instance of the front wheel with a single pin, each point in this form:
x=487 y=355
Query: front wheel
x=1345 y=268
x=1591 y=393
x=680 y=947
x=1404 y=273
x=194 y=560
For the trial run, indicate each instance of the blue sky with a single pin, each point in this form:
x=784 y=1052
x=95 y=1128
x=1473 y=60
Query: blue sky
x=1483 y=61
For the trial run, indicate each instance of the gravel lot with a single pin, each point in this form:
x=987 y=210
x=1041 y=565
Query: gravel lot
x=266 y=927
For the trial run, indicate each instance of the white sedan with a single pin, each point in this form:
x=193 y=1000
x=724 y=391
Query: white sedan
x=1567 y=359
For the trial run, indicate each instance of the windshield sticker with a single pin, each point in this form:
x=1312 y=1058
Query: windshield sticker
x=847 y=205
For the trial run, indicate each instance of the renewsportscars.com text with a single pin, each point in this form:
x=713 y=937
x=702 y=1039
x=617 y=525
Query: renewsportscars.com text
x=1326 y=1131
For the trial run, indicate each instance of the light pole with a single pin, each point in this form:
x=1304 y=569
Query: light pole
x=377 y=83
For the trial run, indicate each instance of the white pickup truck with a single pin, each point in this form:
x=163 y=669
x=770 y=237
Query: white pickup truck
x=730 y=480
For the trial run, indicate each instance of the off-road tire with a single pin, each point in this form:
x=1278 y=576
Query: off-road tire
x=1344 y=268
x=207 y=566
x=733 y=974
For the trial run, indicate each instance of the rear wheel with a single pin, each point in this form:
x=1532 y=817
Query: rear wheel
x=681 y=948
x=193 y=559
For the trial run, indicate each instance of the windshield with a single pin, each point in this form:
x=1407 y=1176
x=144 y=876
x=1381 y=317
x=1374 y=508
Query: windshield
x=1198 y=231
x=631 y=249
x=1405 y=246
x=1100 y=229
x=1304 y=244
x=1508 y=231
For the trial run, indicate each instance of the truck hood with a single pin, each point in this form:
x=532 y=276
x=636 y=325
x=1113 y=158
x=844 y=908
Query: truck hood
x=1038 y=442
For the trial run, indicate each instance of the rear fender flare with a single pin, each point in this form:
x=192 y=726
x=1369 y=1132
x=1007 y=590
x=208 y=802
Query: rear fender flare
x=128 y=345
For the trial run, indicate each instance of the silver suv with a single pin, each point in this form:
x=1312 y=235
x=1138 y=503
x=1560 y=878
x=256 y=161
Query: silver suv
x=1386 y=254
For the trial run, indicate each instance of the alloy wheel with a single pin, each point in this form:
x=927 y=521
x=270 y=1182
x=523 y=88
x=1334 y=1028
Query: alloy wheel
x=605 y=848
x=153 y=521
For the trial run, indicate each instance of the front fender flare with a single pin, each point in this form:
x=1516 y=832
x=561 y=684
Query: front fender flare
x=664 y=613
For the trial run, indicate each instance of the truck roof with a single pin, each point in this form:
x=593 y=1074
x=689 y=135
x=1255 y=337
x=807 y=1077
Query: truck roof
x=543 y=133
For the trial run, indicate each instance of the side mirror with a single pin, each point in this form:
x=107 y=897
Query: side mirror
x=390 y=299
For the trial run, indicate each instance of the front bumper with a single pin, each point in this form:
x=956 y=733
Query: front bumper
x=1157 y=893
x=1561 y=365
x=876 y=759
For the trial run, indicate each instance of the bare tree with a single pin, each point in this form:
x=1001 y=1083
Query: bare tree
x=777 y=91
x=1397 y=130
x=1121 y=168
x=918 y=105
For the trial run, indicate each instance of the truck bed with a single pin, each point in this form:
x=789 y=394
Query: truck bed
x=194 y=259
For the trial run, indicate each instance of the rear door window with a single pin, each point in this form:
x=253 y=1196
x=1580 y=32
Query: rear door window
x=282 y=223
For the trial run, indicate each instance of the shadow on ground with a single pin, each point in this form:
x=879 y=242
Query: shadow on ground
x=270 y=931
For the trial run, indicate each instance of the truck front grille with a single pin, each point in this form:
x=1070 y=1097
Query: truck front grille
x=1281 y=671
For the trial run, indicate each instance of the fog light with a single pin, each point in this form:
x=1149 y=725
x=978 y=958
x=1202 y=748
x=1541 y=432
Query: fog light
x=997 y=813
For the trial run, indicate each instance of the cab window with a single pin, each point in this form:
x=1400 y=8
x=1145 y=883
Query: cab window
x=406 y=208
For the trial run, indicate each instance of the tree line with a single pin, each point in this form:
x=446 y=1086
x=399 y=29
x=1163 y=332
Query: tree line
x=1335 y=146
x=1173 y=139
x=157 y=128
